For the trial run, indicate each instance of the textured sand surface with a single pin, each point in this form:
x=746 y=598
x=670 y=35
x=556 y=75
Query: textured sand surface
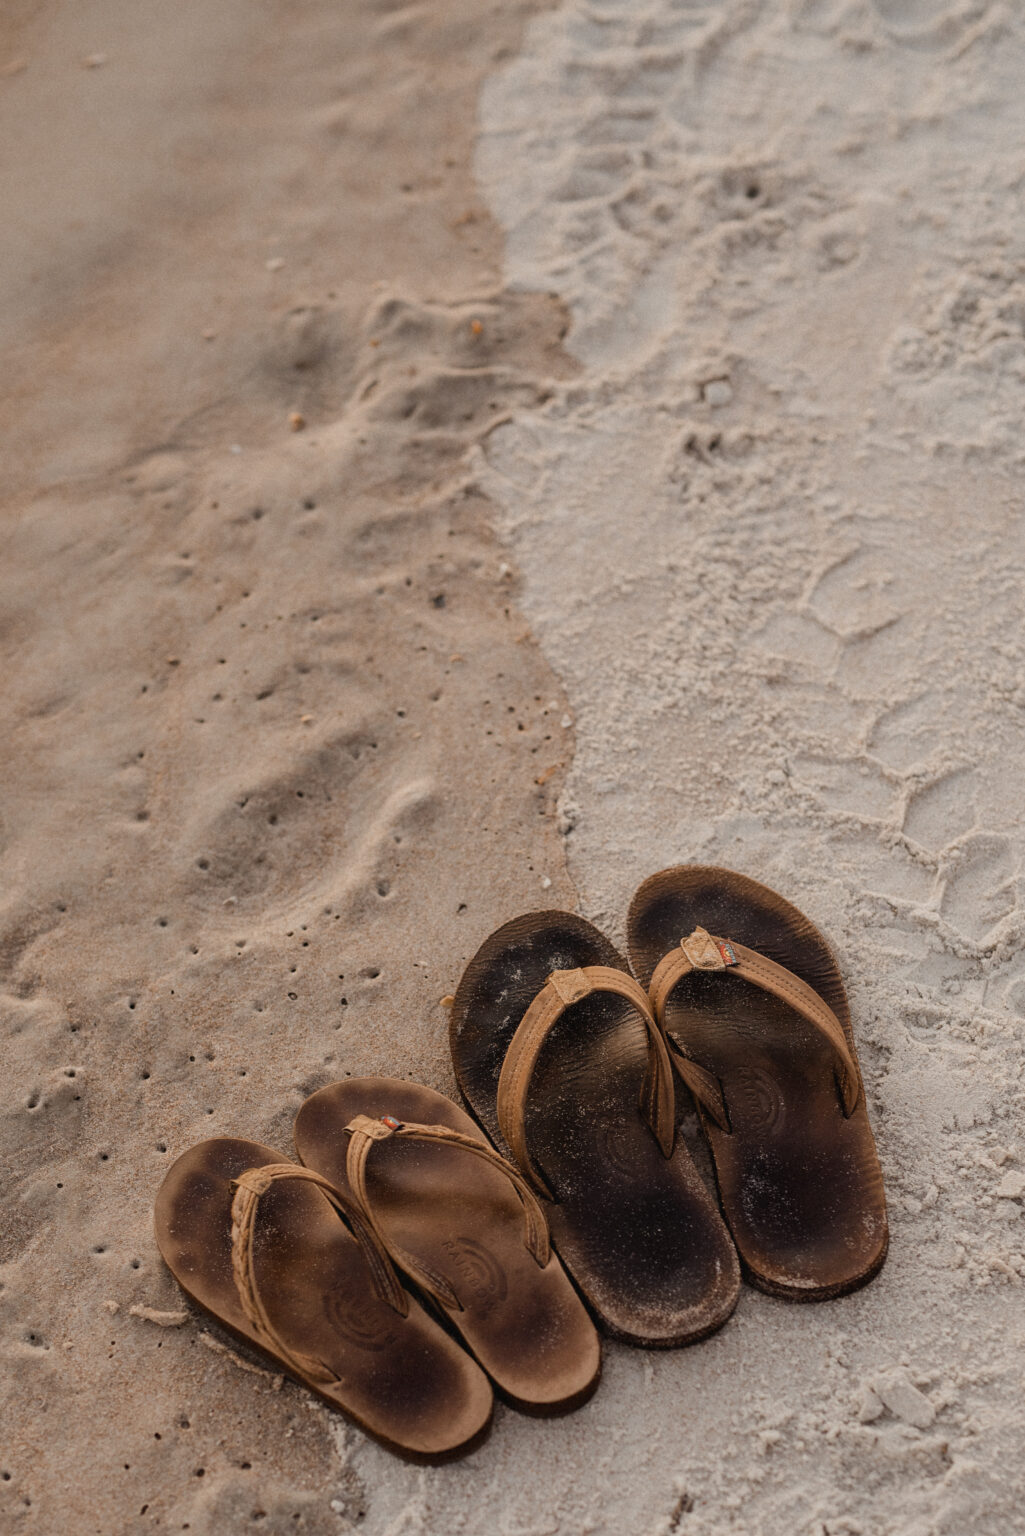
x=768 y=519
x=772 y=538
x=277 y=744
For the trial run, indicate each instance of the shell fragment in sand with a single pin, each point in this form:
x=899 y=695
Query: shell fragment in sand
x=152 y=1315
x=898 y=1393
x=218 y=1348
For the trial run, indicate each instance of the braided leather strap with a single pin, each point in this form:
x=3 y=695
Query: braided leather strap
x=703 y=952
x=248 y=1188
x=364 y=1132
x=562 y=989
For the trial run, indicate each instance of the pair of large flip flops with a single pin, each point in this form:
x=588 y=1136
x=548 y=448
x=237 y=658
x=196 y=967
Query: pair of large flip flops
x=341 y=1266
x=564 y=1057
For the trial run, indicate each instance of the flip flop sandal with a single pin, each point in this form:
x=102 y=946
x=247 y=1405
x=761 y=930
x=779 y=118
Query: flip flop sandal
x=287 y=1264
x=752 y=1004
x=559 y=1056
x=464 y=1226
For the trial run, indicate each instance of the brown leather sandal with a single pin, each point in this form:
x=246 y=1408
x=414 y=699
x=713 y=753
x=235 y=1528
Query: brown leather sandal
x=463 y=1224
x=752 y=1004
x=286 y=1263
x=559 y=1057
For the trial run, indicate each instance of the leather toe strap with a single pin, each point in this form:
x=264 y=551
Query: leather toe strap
x=561 y=991
x=701 y=951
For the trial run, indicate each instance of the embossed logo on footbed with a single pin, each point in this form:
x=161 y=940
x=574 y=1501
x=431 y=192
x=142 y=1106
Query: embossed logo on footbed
x=482 y=1280
x=360 y=1320
x=755 y=1100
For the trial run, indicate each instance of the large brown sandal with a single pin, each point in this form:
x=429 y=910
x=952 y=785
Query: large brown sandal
x=286 y=1263
x=751 y=1000
x=559 y=1057
x=464 y=1226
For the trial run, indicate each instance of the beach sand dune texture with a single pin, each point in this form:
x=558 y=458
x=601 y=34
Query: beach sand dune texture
x=347 y=509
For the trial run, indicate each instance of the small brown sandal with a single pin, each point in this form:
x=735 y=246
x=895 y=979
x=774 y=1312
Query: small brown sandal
x=466 y=1229
x=559 y=1057
x=286 y=1263
x=761 y=1033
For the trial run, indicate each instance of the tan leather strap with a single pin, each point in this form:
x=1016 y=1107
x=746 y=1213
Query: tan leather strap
x=702 y=952
x=562 y=989
x=247 y=1189
x=364 y=1132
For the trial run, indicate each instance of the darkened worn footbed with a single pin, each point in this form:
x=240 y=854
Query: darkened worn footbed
x=462 y=1219
x=639 y=1232
x=402 y=1379
x=799 y=1182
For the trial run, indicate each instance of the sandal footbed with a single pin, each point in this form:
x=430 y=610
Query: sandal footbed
x=640 y=1233
x=402 y=1379
x=799 y=1183
x=524 y=1324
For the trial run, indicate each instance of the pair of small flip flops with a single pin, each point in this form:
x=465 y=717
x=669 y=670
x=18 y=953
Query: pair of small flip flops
x=399 y=1213
x=564 y=1057
x=340 y=1266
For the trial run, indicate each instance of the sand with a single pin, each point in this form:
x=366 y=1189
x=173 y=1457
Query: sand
x=673 y=464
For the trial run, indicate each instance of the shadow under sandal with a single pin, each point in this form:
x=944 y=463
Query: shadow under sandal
x=751 y=1000
x=557 y=1053
x=286 y=1263
x=462 y=1223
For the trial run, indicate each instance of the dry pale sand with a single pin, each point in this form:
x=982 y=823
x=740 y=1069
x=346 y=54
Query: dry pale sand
x=276 y=722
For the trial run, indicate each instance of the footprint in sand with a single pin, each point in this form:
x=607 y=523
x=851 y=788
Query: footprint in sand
x=909 y=732
x=979 y=890
x=853 y=787
x=942 y=811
